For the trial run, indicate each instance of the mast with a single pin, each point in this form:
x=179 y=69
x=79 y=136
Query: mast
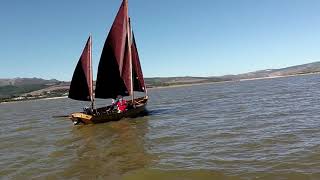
x=129 y=51
x=91 y=73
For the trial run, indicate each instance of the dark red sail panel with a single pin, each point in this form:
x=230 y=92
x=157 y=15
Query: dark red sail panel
x=81 y=83
x=114 y=68
x=138 y=80
x=126 y=72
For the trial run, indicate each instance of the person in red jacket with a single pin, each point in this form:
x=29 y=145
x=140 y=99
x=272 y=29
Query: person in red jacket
x=122 y=105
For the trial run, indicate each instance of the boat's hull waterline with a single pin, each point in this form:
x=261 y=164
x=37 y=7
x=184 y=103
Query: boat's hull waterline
x=103 y=114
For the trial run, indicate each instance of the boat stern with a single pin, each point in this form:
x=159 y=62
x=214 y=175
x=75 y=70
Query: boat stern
x=80 y=117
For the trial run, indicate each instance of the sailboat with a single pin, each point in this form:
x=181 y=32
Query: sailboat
x=119 y=74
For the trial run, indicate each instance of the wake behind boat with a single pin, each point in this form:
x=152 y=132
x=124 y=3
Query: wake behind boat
x=119 y=74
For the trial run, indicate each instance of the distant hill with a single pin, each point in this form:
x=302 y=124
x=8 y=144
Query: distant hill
x=293 y=70
x=26 y=81
x=169 y=81
x=10 y=88
x=300 y=69
x=15 y=87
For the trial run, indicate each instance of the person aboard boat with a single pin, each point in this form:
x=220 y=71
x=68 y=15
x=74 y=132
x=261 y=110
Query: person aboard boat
x=121 y=104
x=87 y=110
x=113 y=104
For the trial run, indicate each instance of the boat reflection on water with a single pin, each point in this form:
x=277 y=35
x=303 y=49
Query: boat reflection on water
x=107 y=150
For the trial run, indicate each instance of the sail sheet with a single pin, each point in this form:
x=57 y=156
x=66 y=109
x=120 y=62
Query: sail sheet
x=81 y=87
x=114 y=75
x=138 y=79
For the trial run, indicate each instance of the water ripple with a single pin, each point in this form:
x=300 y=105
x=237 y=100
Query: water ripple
x=266 y=129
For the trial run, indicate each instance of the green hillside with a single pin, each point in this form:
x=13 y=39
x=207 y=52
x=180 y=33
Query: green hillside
x=12 y=91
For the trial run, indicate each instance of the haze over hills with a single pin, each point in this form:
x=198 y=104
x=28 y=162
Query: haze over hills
x=10 y=88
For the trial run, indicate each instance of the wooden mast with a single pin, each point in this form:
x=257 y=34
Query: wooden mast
x=91 y=73
x=129 y=52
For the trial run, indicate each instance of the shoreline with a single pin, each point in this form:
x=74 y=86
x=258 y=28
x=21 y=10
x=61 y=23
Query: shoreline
x=36 y=99
x=191 y=84
x=50 y=98
x=177 y=86
x=283 y=76
x=231 y=81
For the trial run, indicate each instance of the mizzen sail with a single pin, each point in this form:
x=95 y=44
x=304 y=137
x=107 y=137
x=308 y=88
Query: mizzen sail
x=81 y=87
x=138 y=80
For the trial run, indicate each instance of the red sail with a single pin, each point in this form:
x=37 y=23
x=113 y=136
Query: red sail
x=114 y=77
x=138 y=80
x=81 y=87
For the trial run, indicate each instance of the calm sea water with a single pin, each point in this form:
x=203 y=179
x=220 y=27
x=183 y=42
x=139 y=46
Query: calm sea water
x=261 y=129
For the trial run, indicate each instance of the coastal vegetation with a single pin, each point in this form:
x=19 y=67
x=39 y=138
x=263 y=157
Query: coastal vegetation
x=13 y=91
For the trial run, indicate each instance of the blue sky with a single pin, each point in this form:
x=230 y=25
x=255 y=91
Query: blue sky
x=175 y=37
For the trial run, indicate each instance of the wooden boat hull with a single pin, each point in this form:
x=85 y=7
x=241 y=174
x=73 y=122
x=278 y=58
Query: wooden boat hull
x=102 y=115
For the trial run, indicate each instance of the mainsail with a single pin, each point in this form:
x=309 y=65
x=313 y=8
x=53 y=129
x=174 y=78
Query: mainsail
x=114 y=73
x=81 y=87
